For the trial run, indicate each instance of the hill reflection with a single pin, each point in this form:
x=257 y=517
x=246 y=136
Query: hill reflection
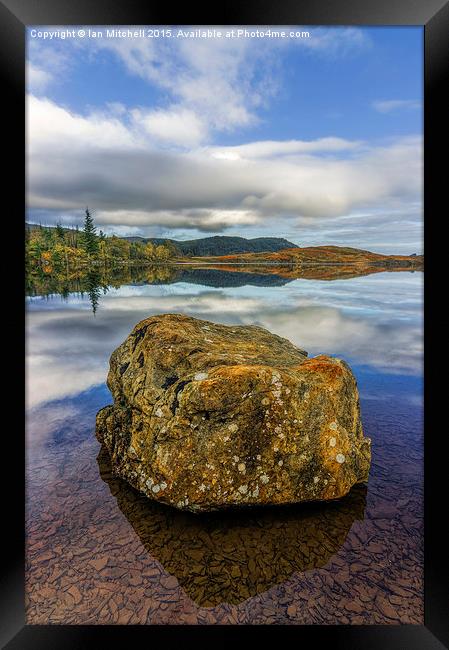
x=97 y=281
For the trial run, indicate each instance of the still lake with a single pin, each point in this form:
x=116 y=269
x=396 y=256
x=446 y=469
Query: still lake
x=97 y=552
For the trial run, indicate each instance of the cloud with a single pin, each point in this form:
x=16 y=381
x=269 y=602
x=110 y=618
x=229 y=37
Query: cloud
x=113 y=164
x=208 y=84
x=38 y=79
x=271 y=148
x=392 y=105
x=336 y=41
x=206 y=220
x=176 y=125
x=58 y=131
x=387 y=230
x=45 y=66
x=205 y=85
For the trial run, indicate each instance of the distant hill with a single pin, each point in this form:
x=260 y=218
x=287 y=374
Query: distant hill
x=321 y=255
x=35 y=226
x=318 y=262
x=222 y=245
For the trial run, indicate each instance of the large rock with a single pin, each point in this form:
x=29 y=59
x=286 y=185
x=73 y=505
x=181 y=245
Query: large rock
x=209 y=416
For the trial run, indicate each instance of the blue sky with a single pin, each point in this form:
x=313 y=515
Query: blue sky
x=316 y=139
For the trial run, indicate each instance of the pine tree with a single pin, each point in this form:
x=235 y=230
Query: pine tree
x=47 y=237
x=90 y=243
x=60 y=232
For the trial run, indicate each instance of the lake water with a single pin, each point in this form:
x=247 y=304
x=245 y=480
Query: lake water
x=98 y=552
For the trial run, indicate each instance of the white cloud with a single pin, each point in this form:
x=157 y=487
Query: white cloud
x=113 y=164
x=391 y=105
x=46 y=65
x=384 y=230
x=208 y=85
x=52 y=129
x=37 y=79
x=272 y=148
x=177 y=125
x=336 y=41
x=220 y=82
x=205 y=220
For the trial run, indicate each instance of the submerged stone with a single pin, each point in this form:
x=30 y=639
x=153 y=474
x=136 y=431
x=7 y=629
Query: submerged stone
x=230 y=556
x=209 y=416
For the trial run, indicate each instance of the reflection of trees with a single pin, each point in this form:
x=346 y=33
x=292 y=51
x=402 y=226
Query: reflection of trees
x=91 y=282
x=231 y=556
x=160 y=274
x=95 y=280
x=93 y=287
x=40 y=282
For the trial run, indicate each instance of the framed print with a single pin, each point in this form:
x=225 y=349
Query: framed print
x=228 y=416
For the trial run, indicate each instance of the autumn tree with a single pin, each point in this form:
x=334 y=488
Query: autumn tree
x=34 y=252
x=162 y=253
x=150 y=251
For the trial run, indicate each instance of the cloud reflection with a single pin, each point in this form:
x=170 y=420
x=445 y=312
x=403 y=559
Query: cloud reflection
x=372 y=321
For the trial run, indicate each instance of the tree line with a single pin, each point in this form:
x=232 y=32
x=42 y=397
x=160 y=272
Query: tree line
x=61 y=249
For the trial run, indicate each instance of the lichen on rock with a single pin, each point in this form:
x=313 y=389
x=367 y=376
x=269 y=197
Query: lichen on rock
x=209 y=416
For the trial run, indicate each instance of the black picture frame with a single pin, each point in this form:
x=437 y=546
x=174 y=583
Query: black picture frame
x=433 y=15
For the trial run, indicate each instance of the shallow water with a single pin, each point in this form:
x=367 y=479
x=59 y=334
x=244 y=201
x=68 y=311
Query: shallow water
x=100 y=553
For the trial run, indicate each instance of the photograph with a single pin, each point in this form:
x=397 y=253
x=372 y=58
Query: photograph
x=224 y=265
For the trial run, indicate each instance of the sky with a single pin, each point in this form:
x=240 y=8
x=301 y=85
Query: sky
x=314 y=138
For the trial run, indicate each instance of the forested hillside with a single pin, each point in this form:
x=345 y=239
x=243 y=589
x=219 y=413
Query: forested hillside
x=222 y=245
x=53 y=249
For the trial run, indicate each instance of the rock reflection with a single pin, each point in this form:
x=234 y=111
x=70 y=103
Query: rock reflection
x=229 y=557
